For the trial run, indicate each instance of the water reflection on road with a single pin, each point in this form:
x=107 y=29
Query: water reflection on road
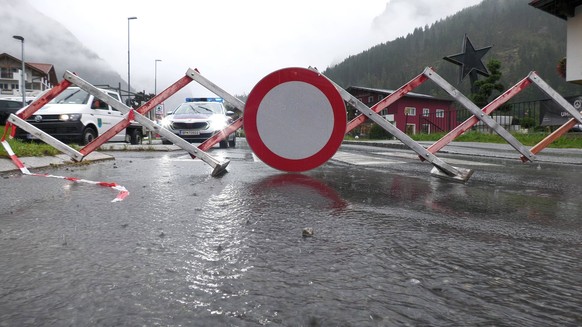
x=389 y=249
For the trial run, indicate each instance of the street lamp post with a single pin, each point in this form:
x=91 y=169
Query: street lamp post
x=152 y=115
x=128 y=61
x=156 y=76
x=22 y=81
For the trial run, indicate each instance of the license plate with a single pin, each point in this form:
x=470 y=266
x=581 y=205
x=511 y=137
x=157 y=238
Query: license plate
x=189 y=132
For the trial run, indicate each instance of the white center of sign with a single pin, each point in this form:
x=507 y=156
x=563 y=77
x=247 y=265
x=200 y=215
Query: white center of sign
x=295 y=120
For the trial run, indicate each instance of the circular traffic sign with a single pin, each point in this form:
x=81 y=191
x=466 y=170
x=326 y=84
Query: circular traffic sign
x=294 y=119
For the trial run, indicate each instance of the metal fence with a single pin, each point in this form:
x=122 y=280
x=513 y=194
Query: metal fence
x=522 y=116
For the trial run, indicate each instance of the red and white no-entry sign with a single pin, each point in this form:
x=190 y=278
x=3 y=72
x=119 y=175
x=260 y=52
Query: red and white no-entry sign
x=294 y=119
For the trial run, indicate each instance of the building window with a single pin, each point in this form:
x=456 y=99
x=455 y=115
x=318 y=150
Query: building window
x=371 y=99
x=425 y=112
x=5 y=73
x=440 y=113
x=380 y=97
x=410 y=111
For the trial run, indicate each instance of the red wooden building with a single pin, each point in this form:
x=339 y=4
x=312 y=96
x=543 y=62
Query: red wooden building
x=414 y=113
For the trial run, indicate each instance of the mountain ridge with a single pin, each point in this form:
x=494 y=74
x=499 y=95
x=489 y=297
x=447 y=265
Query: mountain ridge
x=47 y=41
x=523 y=39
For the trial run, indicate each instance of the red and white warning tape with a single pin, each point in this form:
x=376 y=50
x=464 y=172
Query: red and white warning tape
x=123 y=192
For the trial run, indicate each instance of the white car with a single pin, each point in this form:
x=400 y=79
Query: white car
x=79 y=117
x=197 y=119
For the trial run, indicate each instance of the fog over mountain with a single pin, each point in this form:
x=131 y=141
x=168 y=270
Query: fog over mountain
x=47 y=41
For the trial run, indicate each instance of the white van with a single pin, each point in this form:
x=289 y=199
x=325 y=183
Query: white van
x=78 y=117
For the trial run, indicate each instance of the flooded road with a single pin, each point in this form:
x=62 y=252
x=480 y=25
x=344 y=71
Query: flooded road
x=392 y=246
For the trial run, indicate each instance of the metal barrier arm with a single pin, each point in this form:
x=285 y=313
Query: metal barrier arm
x=42 y=100
x=556 y=97
x=552 y=137
x=488 y=109
x=39 y=102
x=218 y=167
x=210 y=142
x=195 y=75
x=148 y=106
x=76 y=155
x=443 y=169
x=387 y=101
x=490 y=122
x=562 y=129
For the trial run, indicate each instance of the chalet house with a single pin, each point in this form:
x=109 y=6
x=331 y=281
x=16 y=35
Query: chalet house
x=413 y=113
x=38 y=77
x=571 y=11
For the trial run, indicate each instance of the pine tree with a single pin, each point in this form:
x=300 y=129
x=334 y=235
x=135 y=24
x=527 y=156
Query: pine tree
x=484 y=88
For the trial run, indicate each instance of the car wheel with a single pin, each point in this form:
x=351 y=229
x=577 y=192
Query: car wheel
x=135 y=136
x=88 y=135
x=223 y=144
x=232 y=143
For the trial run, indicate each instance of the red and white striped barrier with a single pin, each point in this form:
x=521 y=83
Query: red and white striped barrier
x=123 y=192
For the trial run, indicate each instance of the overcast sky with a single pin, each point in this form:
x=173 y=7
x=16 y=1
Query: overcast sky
x=235 y=43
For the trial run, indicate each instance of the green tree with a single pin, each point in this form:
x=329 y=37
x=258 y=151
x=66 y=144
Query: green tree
x=484 y=88
x=140 y=98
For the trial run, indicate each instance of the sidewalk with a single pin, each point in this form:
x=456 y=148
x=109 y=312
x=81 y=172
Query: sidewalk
x=6 y=165
x=489 y=150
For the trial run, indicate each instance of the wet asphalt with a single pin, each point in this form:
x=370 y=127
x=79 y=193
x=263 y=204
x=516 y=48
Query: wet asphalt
x=391 y=244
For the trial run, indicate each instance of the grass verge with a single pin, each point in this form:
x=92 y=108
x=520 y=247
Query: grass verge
x=570 y=140
x=29 y=148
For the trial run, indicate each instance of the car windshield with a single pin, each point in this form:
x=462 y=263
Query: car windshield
x=72 y=96
x=207 y=108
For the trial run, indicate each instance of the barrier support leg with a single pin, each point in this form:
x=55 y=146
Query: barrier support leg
x=218 y=167
x=442 y=169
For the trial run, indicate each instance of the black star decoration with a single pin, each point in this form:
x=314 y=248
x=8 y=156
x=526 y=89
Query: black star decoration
x=469 y=60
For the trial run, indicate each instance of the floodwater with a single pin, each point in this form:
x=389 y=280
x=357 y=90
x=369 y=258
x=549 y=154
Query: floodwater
x=391 y=247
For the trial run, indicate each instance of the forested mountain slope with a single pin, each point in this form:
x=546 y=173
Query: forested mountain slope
x=524 y=39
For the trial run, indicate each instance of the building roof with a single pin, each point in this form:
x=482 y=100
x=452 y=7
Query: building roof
x=559 y=8
x=388 y=92
x=46 y=69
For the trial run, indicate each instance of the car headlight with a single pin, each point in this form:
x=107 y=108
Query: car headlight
x=166 y=123
x=70 y=117
x=217 y=123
